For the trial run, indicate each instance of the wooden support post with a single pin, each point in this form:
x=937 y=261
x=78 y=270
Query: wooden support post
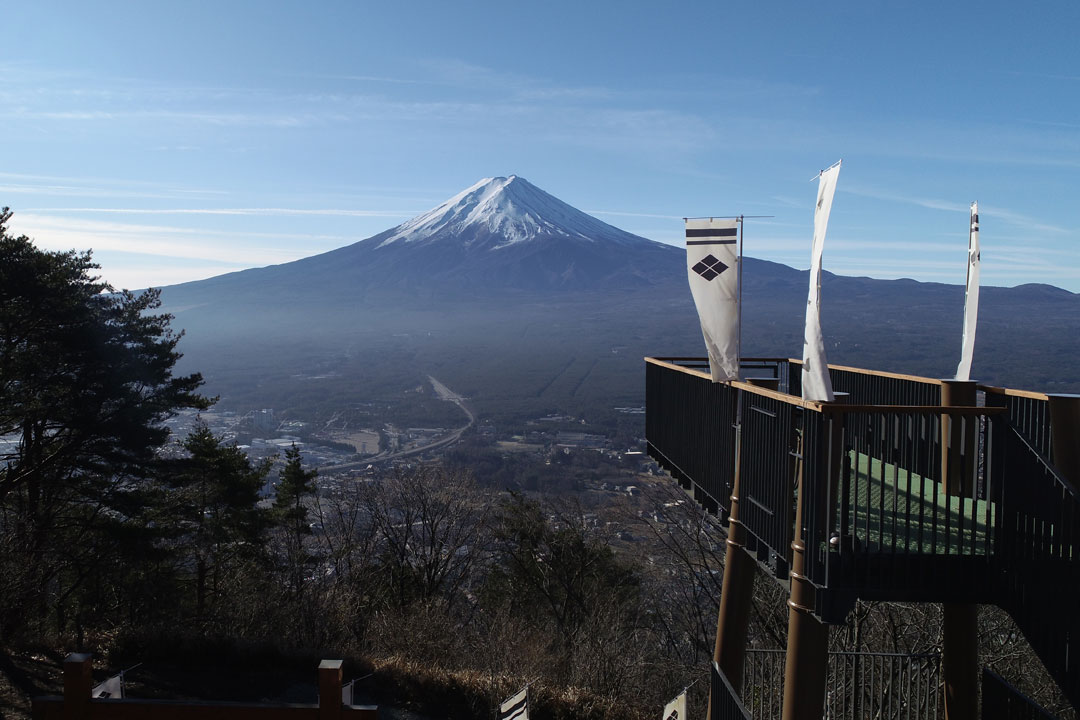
x=78 y=683
x=1065 y=435
x=960 y=660
x=960 y=622
x=736 y=593
x=330 y=690
x=807 y=660
x=958 y=436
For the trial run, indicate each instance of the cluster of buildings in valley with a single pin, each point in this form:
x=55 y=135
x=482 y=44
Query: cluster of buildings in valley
x=260 y=435
x=344 y=456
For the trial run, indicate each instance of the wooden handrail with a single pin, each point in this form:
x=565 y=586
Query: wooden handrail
x=993 y=390
x=832 y=407
x=865 y=371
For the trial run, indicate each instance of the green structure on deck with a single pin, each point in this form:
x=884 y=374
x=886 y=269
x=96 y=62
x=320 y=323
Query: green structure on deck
x=906 y=489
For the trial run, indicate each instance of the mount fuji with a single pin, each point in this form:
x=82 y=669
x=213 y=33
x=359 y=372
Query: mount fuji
x=501 y=236
x=526 y=304
x=502 y=291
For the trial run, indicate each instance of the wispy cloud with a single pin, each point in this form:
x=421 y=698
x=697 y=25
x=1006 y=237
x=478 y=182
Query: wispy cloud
x=56 y=233
x=633 y=214
x=52 y=185
x=121 y=276
x=929 y=203
x=261 y=212
x=1011 y=217
x=221 y=119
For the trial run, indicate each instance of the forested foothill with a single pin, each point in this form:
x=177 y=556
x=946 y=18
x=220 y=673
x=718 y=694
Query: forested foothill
x=440 y=587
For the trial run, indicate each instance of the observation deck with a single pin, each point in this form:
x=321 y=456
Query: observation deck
x=906 y=489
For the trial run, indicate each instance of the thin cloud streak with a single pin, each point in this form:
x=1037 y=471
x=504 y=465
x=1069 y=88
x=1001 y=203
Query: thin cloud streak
x=47 y=223
x=632 y=214
x=167 y=242
x=1008 y=216
x=268 y=212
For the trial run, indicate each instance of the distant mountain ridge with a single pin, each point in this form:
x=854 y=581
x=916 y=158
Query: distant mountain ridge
x=521 y=301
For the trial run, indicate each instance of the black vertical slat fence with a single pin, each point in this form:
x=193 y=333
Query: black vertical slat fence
x=690 y=429
x=725 y=703
x=870 y=388
x=890 y=686
x=767 y=467
x=1028 y=415
x=1038 y=554
x=876 y=521
x=1001 y=701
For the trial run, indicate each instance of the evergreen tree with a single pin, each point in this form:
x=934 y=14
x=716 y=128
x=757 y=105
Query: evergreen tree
x=213 y=513
x=86 y=383
x=291 y=514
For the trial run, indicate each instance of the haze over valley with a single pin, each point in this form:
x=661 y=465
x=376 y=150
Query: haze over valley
x=528 y=307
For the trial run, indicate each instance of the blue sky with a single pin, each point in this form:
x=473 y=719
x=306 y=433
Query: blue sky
x=183 y=140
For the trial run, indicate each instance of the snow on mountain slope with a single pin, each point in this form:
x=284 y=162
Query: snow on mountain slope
x=500 y=237
x=499 y=212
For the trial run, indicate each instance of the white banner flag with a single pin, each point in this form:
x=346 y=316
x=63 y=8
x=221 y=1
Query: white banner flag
x=112 y=688
x=516 y=708
x=676 y=709
x=347 y=693
x=712 y=266
x=971 y=298
x=816 y=383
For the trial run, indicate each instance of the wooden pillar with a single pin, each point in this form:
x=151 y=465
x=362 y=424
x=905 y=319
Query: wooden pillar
x=736 y=590
x=960 y=622
x=78 y=683
x=330 y=690
x=807 y=659
x=1065 y=435
x=958 y=439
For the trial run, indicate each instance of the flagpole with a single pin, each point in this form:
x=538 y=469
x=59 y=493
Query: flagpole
x=739 y=340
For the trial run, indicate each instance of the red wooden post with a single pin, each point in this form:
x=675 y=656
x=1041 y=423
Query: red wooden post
x=330 y=690
x=77 y=685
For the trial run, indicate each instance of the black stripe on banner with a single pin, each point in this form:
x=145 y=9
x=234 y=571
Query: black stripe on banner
x=516 y=715
x=515 y=710
x=711 y=242
x=712 y=232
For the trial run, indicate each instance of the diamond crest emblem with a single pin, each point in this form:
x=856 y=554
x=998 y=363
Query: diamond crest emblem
x=709 y=267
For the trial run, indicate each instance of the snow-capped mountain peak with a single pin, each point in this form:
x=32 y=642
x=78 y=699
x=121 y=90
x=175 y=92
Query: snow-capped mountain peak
x=502 y=211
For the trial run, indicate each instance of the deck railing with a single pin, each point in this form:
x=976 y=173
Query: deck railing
x=872 y=474
x=696 y=444
x=768 y=447
x=858 y=685
x=725 y=703
x=883 y=516
x=1028 y=412
x=1002 y=701
x=878 y=522
x=1038 y=556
